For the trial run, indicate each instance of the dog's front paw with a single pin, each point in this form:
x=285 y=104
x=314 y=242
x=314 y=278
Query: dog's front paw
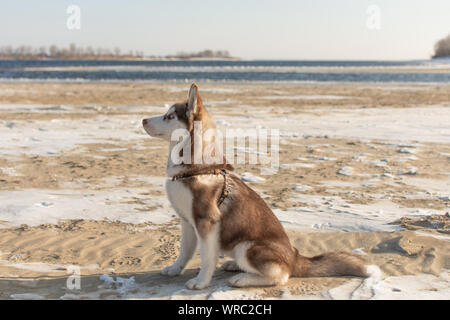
x=172 y=270
x=196 y=284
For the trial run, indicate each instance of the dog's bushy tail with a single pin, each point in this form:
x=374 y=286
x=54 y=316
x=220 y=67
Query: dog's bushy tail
x=331 y=264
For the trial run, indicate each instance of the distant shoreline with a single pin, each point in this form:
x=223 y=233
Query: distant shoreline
x=114 y=58
x=134 y=58
x=440 y=58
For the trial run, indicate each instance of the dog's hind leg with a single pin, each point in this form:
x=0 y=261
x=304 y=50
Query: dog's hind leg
x=187 y=250
x=230 y=266
x=273 y=275
x=261 y=265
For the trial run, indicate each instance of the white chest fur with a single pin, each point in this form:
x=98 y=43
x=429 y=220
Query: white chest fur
x=180 y=196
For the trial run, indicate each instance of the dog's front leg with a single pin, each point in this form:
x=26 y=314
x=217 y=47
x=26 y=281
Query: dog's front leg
x=187 y=249
x=209 y=253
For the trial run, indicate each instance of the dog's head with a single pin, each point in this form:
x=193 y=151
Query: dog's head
x=179 y=116
x=201 y=145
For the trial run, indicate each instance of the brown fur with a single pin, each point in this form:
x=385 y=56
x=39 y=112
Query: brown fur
x=329 y=264
x=206 y=213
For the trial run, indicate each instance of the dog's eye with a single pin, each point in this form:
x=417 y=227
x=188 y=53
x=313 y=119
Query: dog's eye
x=170 y=116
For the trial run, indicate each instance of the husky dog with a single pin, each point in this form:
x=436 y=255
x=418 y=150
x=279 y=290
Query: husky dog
x=225 y=216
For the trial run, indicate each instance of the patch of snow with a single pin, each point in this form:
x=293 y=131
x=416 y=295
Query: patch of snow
x=248 y=177
x=345 y=171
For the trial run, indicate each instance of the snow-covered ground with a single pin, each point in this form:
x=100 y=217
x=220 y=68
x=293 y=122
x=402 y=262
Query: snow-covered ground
x=34 y=206
x=38 y=206
x=58 y=135
x=376 y=287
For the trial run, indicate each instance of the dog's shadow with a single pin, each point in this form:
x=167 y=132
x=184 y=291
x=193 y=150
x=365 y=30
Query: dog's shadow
x=139 y=285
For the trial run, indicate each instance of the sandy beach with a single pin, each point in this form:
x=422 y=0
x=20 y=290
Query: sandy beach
x=363 y=168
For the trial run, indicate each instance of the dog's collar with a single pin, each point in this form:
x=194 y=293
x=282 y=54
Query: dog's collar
x=226 y=186
x=198 y=173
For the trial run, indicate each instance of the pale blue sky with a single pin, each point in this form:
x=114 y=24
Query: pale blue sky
x=254 y=29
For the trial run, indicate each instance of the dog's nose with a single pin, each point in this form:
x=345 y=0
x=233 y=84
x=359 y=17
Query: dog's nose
x=144 y=122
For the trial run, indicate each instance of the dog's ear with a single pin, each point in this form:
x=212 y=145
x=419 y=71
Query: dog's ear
x=193 y=100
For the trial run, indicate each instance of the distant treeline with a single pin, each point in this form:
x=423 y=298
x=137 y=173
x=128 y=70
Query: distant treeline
x=71 y=52
x=203 y=54
x=442 y=48
x=76 y=52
